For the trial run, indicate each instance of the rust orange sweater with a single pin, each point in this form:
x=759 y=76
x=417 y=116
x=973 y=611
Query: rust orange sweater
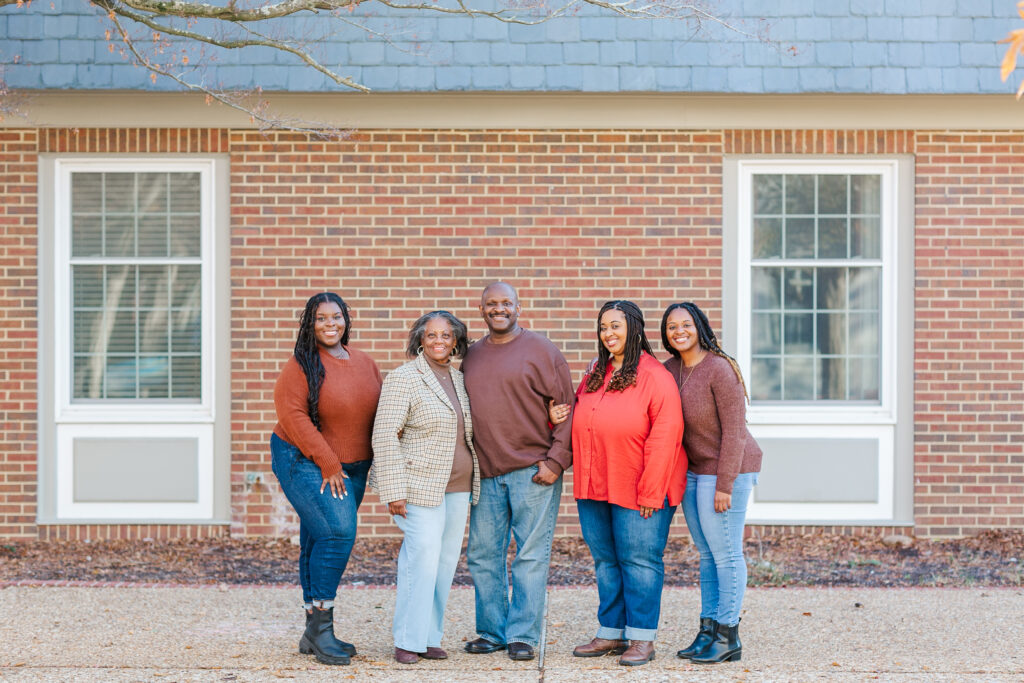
x=627 y=445
x=347 y=406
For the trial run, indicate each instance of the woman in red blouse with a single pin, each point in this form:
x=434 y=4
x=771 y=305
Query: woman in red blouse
x=629 y=475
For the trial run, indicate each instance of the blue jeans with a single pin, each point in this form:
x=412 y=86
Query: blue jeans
x=512 y=502
x=628 y=553
x=718 y=537
x=327 y=525
x=426 y=567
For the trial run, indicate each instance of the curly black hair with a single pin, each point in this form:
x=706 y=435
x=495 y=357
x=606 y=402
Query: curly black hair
x=636 y=345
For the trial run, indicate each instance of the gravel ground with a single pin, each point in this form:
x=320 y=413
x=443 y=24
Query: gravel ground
x=993 y=558
x=250 y=634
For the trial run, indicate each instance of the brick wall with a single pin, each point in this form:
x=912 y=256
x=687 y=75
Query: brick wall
x=401 y=222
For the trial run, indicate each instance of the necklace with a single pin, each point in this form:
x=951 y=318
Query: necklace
x=682 y=365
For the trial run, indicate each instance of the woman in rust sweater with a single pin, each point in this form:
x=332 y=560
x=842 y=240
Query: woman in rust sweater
x=326 y=399
x=724 y=461
x=629 y=476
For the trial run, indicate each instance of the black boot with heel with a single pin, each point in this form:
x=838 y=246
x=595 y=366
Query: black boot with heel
x=704 y=637
x=724 y=647
x=319 y=638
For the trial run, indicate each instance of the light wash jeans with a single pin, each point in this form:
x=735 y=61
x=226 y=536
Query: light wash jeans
x=426 y=567
x=718 y=537
x=628 y=553
x=511 y=502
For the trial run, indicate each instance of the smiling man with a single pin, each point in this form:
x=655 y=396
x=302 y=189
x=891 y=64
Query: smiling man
x=511 y=374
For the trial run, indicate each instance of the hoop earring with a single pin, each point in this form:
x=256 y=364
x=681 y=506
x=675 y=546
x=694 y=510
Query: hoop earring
x=419 y=351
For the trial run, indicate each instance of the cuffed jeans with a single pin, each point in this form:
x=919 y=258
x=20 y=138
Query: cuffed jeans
x=718 y=537
x=327 y=525
x=512 y=502
x=426 y=568
x=628 y=553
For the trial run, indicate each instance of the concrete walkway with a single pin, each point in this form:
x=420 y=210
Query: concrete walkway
x=250 y=634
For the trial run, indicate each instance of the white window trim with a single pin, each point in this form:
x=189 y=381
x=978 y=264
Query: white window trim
x=130 y=411
x=810 y=412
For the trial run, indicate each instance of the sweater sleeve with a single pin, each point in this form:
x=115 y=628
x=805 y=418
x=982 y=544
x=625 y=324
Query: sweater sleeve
x=290 y=400
x=558 y=386
x=731 y=407
x=663 y=445
x=391 y=479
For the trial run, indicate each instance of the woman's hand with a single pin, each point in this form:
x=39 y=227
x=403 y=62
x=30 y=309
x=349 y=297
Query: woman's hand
x=337 y=483
x=723 y=501
x=557 y=414
x=646 y=512
x=397 y=508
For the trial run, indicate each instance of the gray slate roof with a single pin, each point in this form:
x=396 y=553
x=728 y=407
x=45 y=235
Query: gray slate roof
x=817 y=46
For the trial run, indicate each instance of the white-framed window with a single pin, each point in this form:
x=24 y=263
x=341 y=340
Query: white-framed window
x=818 y=265
x=134 y=354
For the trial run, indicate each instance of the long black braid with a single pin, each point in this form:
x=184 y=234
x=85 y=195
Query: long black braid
x=307 y=352
x=705 y=337
x=636 y=345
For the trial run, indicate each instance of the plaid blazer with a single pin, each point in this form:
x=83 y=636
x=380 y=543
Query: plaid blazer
x=416 y=466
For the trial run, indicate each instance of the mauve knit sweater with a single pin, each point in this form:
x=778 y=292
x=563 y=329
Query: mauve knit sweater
x=715 y=435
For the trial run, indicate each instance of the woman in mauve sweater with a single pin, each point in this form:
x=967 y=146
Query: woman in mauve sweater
x=326 y=399
x=724 y=461
x=629 y=473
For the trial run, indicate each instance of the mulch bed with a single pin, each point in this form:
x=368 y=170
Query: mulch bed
x=992 y=558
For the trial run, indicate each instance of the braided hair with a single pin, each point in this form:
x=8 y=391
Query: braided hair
x=307 y=352
x=636 y=344
x=705 y=337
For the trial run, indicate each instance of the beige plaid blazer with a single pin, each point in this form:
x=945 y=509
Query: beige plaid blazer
x=416 y=466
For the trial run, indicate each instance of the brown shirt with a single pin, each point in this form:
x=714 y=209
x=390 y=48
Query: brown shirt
x=715 y=435
x=347 y=406
x=509 y=386
x=461 y=479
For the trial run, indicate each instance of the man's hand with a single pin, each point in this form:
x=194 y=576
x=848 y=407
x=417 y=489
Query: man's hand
x=397 y=508
x=545 y=476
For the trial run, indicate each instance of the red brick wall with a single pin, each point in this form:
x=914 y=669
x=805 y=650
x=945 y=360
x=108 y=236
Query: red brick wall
x=969 y=341
x=401 y=222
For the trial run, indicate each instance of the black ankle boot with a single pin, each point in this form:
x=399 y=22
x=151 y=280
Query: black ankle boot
x=724 y=647
x=704 y=636
x=305 y=649
x=319 y=638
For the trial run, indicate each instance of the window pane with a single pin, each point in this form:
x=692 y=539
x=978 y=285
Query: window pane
x=152 y=192
x=831 y=333
x=88 y=381
x=798 y=333
x=86 y=193
x=766 y=379
x=87 y=326
x=119 y=193
x=185 y=287
x=831 y=289
x=798 y=288
x=866 y=194
x=86 y=235
x=865 y=289
x=799 y=238
x=832 y=379
x=153 y=377
x=185 y=235
x=767 y=333
x=768 y=194
x=185 y=193
x=864 y=379
x=153 y=235
x=185 y=377
x=153 y=330
x=87 y=287
x=832 y=238
x=185 y=331
x=121 y=377
x=799 y=379
x=120 y=236
x=122 y=334
x=120 y=291
x=864 y=337
x=767 y=238
x=767 y=286
x=832 y=194
x=865 y=237
x=800 y=194
x=153 y=290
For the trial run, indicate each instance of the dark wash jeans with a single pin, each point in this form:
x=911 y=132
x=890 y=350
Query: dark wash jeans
x=327 y=525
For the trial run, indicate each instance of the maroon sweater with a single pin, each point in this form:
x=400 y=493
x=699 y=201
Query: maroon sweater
x=715 y=437
x=509 y=386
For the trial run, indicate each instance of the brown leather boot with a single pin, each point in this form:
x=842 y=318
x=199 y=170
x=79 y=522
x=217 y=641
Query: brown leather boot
x=639 y=652
x=599 y=647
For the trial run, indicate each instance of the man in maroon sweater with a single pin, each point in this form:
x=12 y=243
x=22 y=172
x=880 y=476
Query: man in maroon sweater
x=511 y=374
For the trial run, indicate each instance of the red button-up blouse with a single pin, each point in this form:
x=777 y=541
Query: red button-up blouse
x=627 y=446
